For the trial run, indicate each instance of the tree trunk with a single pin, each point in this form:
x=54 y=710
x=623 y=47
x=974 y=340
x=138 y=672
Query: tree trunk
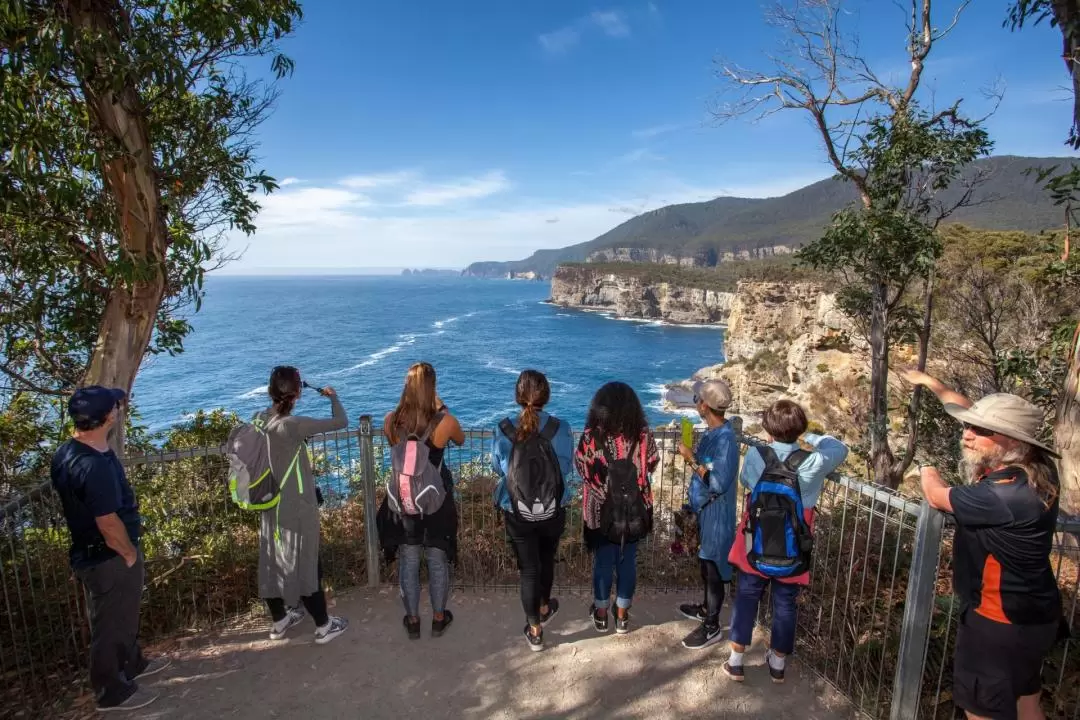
x=896 y=472
x=1067 y=432
x=881 y=457
x=131 y=178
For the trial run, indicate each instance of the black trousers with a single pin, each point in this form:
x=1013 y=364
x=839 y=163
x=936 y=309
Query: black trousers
x=714 y=592
x=315 y=604
x=115 y=657
x=535 y=544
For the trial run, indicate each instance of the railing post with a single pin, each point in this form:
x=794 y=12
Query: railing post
x=918 y=614
x=367 y=477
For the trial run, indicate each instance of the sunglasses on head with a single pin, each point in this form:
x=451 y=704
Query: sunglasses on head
x=696 y=399
x=980 y=431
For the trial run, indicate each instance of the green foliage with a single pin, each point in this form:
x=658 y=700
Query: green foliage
x=722 y=278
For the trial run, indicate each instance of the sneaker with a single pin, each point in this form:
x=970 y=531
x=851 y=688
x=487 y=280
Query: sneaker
x=735 y=672
x=776 y=675
x=622 y=624
x=153 y=666
x=702 y=637
x=536 y=642
x=135 y=701
x=330 y=630
x=553 y=610
x=294 y=616
x=412 y=627
x=438 y=627
x=693 y=612
x=599 y=622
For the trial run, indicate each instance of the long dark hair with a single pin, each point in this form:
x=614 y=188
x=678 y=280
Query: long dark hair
x=284 y=388
x=532 y=393
x=417 y=405
x=616 y=412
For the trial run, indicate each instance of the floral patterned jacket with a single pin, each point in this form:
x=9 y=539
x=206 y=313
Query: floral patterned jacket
x=592 y=467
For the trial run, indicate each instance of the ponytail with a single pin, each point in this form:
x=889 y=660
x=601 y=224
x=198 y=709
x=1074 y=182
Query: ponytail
x=284 y=388
x=528 y=422
x=532 y=394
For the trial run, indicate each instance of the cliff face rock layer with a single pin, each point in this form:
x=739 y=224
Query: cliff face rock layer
x=637 y=298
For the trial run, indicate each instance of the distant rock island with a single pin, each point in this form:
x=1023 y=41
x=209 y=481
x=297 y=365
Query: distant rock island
x=428 y=272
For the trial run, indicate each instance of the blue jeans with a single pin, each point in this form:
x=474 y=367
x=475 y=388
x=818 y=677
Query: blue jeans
x=747 y=597
x=612 y=560
x=438 y=568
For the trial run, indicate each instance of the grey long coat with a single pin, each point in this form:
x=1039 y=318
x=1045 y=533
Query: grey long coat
x=289 y=533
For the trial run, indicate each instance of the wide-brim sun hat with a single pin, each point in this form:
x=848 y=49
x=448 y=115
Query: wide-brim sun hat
x=1006 y=414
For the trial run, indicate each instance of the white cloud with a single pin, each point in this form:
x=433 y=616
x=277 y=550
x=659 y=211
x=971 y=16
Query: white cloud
x=471 y=188
x=612 y=23
x=378 y=180
x=636 y=156
x=288 y=181
x=656 y=130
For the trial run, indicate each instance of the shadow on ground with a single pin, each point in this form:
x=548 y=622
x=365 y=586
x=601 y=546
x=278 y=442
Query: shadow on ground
x=481 y=668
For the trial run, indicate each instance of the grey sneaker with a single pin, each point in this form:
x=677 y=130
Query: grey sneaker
x=291 y=619
x=154 y=666
x=331 y=630
x=137 y=700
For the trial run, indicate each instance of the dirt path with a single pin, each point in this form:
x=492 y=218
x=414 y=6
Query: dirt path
x=480 y=669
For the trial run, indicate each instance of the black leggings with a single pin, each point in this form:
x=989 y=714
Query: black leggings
x=714 y=592
x=314 y=603
x=535 y=545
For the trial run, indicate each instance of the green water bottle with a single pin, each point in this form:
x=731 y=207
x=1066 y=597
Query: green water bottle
x=687 y=433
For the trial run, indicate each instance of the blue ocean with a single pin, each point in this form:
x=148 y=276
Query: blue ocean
x=360 y=334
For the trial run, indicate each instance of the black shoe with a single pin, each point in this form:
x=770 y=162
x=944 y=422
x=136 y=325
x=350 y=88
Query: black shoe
x=735 y=672
x=693 y=612
x=553 y=610
x=536 y=642
x=776 y=675
x=137 y=700
x=703 y=636
x=622 y=624
x=412 y=627
x=600 y=623
x=438 y=627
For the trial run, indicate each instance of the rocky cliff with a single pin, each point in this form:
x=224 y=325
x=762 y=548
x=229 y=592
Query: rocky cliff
x=635 y=297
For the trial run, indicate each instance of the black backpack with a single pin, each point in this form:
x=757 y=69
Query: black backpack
x=624 y=516
x=781 y=543
x=533 y=476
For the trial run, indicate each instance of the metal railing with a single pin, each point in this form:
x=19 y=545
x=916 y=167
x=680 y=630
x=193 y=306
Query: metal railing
x=877 y=621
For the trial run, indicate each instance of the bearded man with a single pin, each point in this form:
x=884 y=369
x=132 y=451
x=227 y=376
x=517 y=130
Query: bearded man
x=1006 y=516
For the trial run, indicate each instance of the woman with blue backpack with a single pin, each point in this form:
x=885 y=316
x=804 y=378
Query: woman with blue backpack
x=532 y=457
x=712 y=496
x=615 y=456
x=420 y=495
x=784 y=482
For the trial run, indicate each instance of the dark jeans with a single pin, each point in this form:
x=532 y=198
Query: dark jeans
x=611 y=560
x=751 y=588
x=535 y=544
x=714 y=592
x=315 y=604
x=115 y=657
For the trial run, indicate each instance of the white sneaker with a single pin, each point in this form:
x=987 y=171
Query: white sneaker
x=330 y=630
x=278 y=629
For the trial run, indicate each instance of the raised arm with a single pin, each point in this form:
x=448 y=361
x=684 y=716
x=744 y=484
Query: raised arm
x=944 y=393
x=831 y=452
x=305 y=427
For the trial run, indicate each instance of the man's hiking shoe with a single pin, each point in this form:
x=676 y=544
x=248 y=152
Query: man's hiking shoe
x=622 y=624
x=536 y=642
x=438 y=627
x=553 y=610
x=693 y=612
x=331 y=630
x=135 y=701
x=291 y=619
x=776 y=675
x=412 y=627
x=599 y=622
x=735 y=672
x=153 y=666
x=702 y=637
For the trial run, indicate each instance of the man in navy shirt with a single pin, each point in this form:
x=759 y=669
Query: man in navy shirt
x=1006 y=516
x=103 y=518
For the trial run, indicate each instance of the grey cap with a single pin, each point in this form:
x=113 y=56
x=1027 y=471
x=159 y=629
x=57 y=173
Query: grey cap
x=1005 y=414
x=714 y=393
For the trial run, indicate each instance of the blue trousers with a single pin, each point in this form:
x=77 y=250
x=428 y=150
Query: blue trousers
x=612 y=561
x=751 y=587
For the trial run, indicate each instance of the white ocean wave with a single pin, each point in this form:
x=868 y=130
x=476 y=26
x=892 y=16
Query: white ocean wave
x=403 y=342
x=254 y=393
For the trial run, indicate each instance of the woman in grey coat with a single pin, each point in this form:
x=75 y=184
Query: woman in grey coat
x=289 y=568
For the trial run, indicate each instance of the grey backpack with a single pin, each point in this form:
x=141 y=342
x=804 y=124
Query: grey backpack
x=253 y=485
x=416 y=486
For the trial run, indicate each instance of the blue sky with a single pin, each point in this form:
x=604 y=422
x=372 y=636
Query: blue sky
x=430 y=133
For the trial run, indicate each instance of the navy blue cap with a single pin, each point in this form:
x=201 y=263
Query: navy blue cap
x=95 y=402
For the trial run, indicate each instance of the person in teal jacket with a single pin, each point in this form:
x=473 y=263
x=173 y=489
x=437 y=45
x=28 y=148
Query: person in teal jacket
x=535 y=541
x=712 y=496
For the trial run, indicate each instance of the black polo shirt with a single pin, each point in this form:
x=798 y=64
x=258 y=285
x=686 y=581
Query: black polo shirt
x=92 y=484
x=1001 y=553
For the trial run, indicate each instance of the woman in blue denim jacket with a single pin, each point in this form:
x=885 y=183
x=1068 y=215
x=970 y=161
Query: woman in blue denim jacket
x=535 y=541
x=712 y=496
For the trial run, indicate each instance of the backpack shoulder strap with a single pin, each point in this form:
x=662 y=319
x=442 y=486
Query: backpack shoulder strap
x=768 y=455
x=795 y=460
x=551 y=427
x=508 y=428
x=430 y=429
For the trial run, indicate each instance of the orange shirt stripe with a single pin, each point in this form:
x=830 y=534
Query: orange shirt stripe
x=990 y=601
